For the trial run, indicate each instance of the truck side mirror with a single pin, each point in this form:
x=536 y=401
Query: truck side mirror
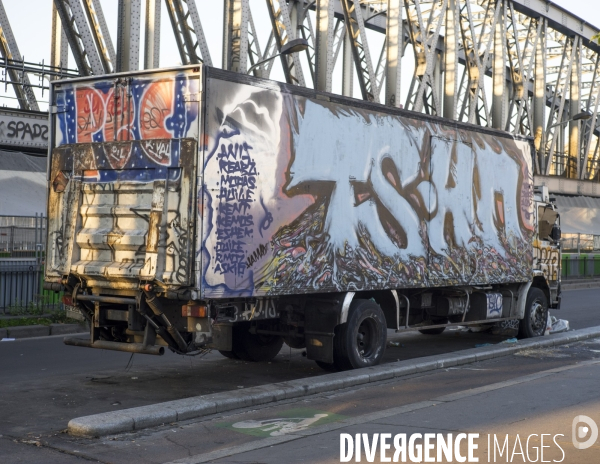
x=555 y=234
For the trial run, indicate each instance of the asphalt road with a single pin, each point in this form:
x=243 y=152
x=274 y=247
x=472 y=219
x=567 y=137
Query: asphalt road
x=580 y=307
x=45 y=383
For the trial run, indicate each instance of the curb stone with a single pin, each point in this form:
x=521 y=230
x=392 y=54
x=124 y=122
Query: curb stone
x=129 y=420
x=28 y=331
x=33 y=331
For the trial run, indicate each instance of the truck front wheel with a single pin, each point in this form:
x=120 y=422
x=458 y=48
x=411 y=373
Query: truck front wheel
x=360 y=342
x=535 y=318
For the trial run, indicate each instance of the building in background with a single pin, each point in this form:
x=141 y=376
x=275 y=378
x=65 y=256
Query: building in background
x=23 y=155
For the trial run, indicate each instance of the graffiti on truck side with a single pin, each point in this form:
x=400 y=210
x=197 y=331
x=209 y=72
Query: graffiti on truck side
x=546 y=258
x=136 y=109
x=263 y=308
x=235 y=221
x=351 y=199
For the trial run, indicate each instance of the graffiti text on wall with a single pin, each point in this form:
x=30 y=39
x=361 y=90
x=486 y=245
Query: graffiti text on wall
x=235 y=223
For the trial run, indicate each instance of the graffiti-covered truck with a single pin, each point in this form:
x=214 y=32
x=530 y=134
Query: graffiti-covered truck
x=196 y=209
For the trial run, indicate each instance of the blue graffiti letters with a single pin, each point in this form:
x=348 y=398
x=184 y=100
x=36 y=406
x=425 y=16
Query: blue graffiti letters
x=236 y=194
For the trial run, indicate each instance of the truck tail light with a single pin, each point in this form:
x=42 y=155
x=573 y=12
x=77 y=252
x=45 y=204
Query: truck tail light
x=67 y=300
x=194 y=310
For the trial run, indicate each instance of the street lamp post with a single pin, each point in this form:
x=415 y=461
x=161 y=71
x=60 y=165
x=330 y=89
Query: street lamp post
x=293 y=46
x=583 y=116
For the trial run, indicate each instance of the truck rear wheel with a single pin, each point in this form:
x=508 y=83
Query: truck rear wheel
x=534 y=321
x=360 y=342
x=256 y=347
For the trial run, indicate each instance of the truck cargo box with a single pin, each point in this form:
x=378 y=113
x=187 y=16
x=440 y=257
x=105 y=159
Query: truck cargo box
x=240 y=187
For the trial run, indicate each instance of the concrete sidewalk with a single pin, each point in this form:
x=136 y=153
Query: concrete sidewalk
x=516 y=412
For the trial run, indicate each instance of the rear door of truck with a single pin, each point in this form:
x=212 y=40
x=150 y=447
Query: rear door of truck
x=122 y=179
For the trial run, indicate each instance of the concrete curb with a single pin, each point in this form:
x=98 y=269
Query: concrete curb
x=128 y=420
x=33 y=331
x=28 y=331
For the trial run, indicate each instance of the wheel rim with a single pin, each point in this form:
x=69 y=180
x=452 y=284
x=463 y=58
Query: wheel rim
x=537 y=319
x=366 y=338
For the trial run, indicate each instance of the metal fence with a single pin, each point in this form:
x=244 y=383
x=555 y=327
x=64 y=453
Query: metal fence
x=22 y=236
x=580 y=266
x=21 y=288
x=22 y=253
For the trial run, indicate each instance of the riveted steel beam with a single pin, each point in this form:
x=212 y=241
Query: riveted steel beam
x=59 y=47
x=324 y=45
x=355 y=25
x=152 y=35
x=235 y=35
x=283 y=32
x=81 y=42
x=100 y=34
x=128 y=33
x=10 y=51
x=189 y=34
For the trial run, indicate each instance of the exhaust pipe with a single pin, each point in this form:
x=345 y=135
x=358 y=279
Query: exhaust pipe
x=116 y=346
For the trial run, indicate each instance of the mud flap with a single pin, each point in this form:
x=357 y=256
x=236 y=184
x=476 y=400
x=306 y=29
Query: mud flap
x=222 y=337
x=321 y=318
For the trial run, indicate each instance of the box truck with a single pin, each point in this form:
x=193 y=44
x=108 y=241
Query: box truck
x=195 y=208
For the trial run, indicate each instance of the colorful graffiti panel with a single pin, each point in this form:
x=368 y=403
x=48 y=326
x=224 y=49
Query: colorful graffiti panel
x=308 y=196
x=124 y=109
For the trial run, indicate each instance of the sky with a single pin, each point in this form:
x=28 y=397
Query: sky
x=31 y=24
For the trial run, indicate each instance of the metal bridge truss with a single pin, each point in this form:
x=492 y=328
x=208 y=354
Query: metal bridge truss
x=10 y=54
x=524 y=66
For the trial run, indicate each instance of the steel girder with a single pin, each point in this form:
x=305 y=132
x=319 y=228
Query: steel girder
x=128 y=35
x=99 y=31
x=10 y=51
x=283 y=32
x=59 y=47
x=79 y=36
x=152 y=35
x=525 y=66
x=188 y=31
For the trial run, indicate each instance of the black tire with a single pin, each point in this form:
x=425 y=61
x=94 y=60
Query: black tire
x=256 y=347
x=229 y=354
x=534 y=321
x=436 y=331
x=360 y=342
x=327 y=366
